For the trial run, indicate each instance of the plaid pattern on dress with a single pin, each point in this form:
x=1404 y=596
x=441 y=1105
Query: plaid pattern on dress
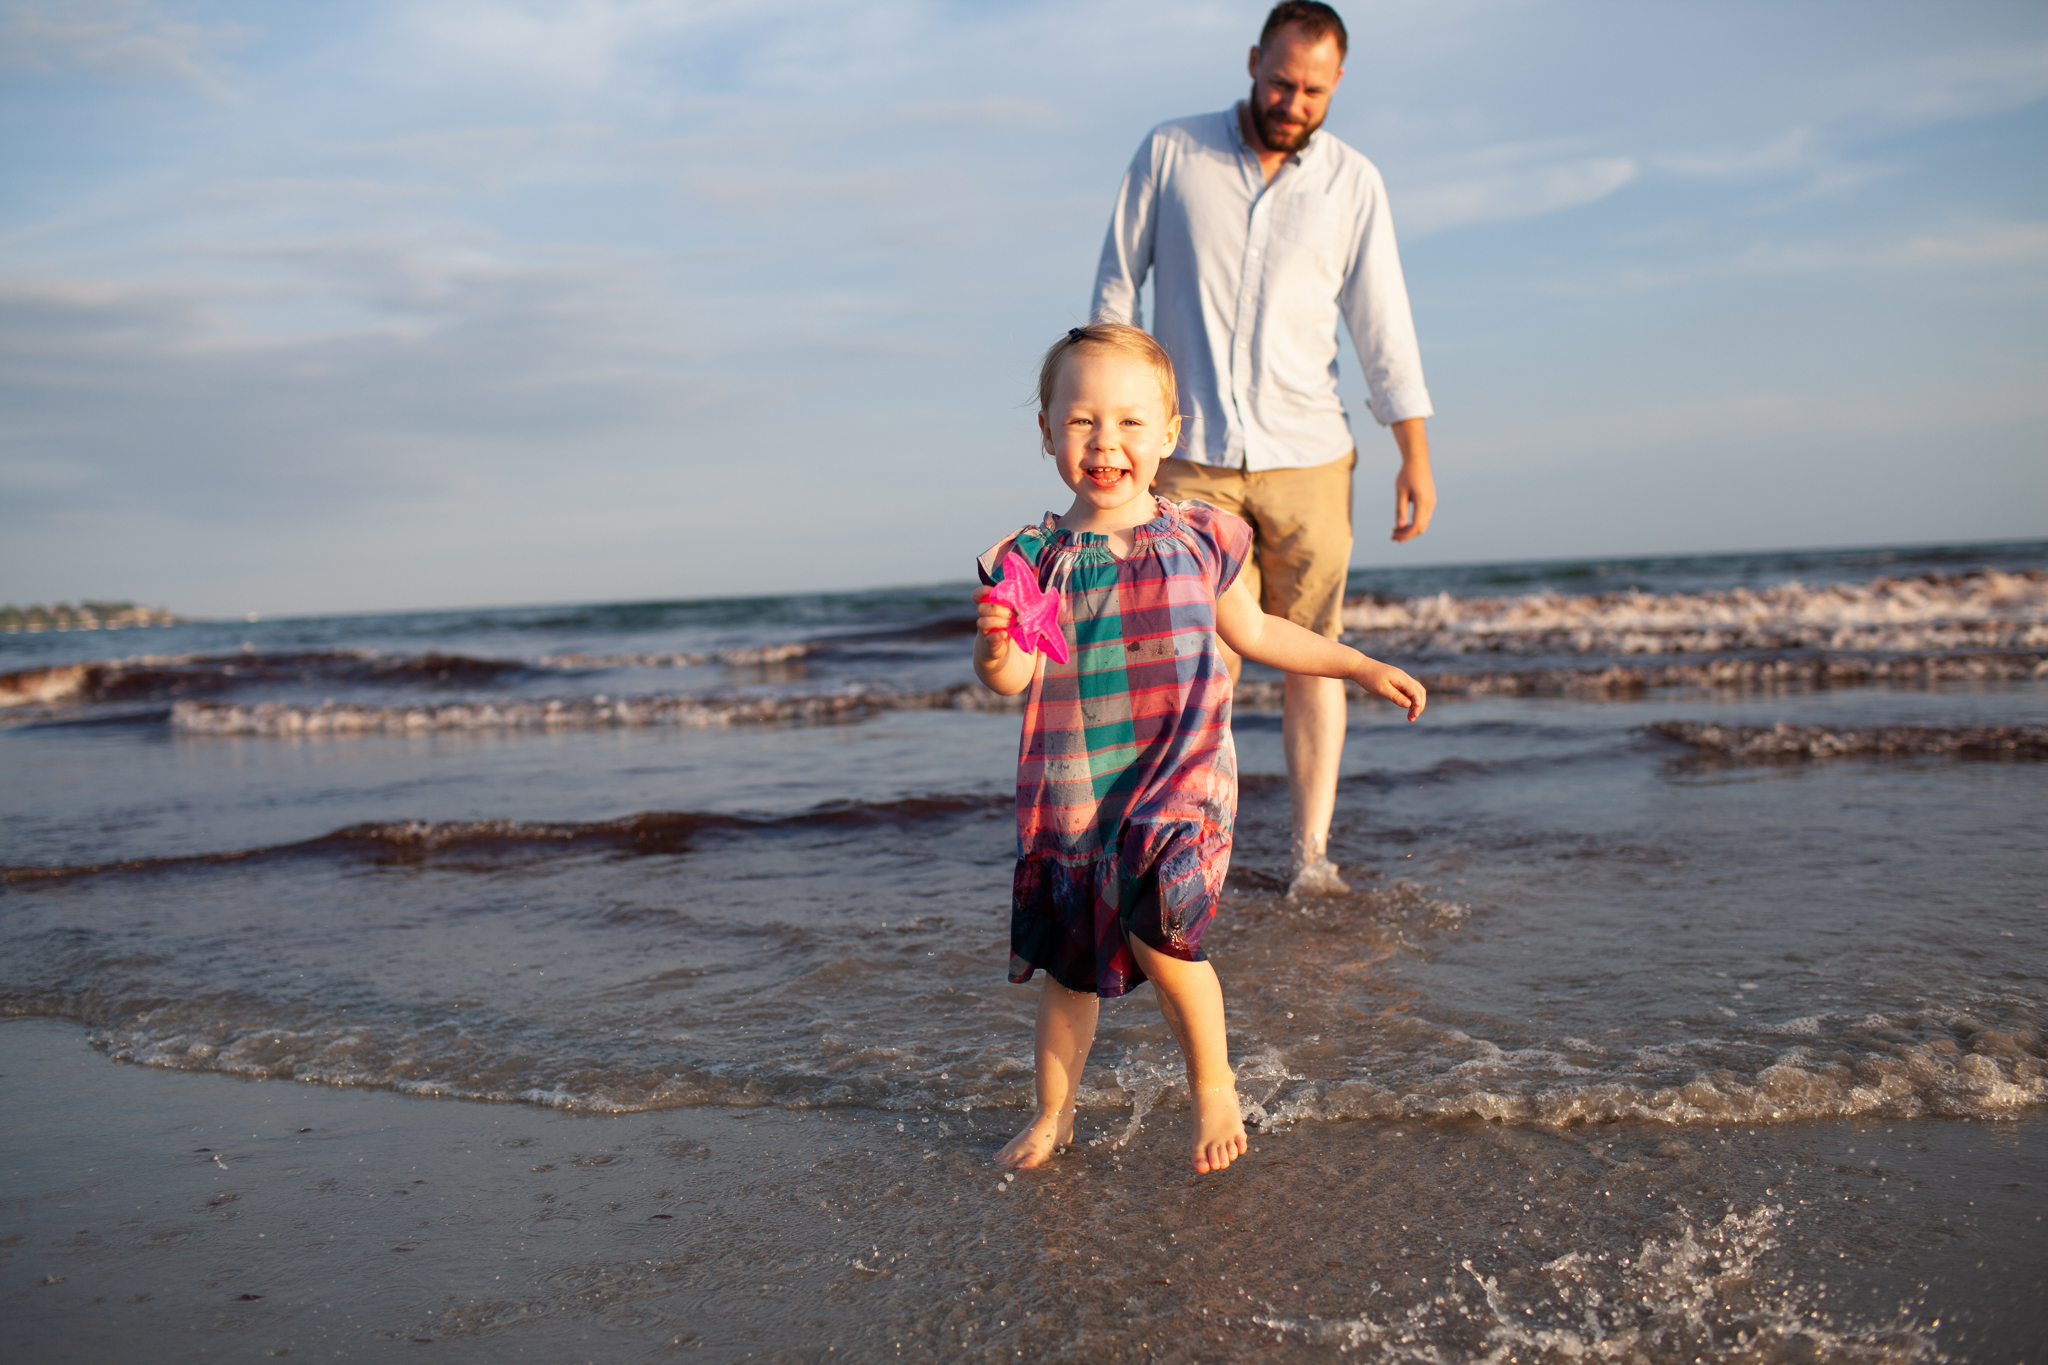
x=1126 y=775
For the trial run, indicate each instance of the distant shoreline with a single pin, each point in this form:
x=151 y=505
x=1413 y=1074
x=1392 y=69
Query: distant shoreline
x=63 y=616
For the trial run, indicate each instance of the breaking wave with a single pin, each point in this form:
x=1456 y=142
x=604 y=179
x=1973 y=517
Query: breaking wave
x=1925 y=1064
x=349 y=718
x=168 y=677
x=1983 y=610
x=649 y=833
x=1980 y=626
x=1981 y=1062
x=599 y=712
x=165 y=677
x=757 y=657
x=1759 y=743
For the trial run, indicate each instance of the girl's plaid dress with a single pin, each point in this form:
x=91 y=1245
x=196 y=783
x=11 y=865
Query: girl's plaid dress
x=1126 y=777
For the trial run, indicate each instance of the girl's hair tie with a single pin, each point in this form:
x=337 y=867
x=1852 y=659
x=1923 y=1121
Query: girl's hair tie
x=1074 y=334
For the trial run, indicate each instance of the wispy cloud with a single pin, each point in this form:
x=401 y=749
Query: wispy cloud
x=2010 y=249
x=1791 y=152
x=1959 y=82
x=1500 y=186
x=121 y=39
x=1729 y=420
x=1969 y=247
x=1013 y=112
x=489 y=358
x=1812 y=161
x=1933 y=88
x=590 y=45
x=52 y=323
x=804 y=193
x=489 y=156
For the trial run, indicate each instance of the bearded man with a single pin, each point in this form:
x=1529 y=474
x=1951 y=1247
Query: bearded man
x=1259 y=233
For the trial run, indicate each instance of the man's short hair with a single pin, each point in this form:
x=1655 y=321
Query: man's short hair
x=1317 y=22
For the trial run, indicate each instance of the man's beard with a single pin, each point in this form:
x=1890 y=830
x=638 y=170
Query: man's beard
x=1275 y=140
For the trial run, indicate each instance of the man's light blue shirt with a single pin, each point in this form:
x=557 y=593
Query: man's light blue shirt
x=1249 y=281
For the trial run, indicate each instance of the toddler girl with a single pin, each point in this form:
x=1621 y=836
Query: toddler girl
x=1126 y=777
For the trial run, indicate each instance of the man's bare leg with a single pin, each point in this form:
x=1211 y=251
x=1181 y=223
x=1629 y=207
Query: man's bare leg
x=1312 y=724
x=1191 y=998
x=1312 y=732
x=1066 y=1030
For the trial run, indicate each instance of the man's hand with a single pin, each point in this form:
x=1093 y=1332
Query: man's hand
x=1414 y=487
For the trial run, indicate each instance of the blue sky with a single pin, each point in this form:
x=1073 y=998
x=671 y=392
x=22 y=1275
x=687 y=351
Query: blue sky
x=409 y=303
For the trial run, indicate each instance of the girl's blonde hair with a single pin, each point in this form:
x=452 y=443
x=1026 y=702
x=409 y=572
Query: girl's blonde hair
x=1112 y=336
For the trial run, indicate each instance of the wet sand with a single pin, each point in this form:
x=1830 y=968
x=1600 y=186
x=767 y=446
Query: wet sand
x=194 y=1217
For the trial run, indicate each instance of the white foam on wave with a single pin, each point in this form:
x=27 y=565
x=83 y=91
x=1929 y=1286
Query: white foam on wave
x=601 y=712
x=2001 y=1079
x=754 y=657
x=55 y=683
x=1930 y=1062
x=1983 y=1057
x=90 y=679
x=712 y=711
x=1988 y=610
x=43 y=686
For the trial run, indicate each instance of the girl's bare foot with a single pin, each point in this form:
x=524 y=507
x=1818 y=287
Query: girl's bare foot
x=1219 y=1129
x=1044 y=1135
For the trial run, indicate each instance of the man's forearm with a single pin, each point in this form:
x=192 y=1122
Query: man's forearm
x=1412 y=436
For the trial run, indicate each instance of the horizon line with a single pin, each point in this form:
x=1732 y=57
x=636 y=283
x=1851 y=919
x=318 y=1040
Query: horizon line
x=251 y=618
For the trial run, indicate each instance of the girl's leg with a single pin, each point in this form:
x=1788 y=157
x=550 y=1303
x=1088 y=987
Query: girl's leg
x=1066 y=1030
x=1191 y=998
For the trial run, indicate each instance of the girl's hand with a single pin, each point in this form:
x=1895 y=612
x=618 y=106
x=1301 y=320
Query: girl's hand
x=992 y=617
x=992 y=622
x=1385 y=680
x=1002 y=667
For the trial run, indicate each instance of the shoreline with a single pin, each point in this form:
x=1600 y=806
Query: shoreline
x=190 y=1216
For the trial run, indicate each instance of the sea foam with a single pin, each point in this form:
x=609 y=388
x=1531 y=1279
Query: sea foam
x=1987 y=610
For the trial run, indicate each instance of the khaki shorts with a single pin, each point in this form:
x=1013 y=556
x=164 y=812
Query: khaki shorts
x=1301 y=531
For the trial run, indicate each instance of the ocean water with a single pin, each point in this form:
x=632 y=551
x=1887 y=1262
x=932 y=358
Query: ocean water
x=1685 y=851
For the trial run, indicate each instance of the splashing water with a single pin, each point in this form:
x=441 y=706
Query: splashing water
x=1697 y=1294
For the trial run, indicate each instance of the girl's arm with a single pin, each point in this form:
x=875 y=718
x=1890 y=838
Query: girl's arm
x=1002 y=667
x=1278 y=643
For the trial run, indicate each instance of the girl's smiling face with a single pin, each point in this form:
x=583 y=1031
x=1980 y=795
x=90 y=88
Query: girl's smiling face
x=1108 y=428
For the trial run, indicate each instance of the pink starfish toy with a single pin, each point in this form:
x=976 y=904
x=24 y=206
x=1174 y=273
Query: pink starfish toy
x=1035 y=612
